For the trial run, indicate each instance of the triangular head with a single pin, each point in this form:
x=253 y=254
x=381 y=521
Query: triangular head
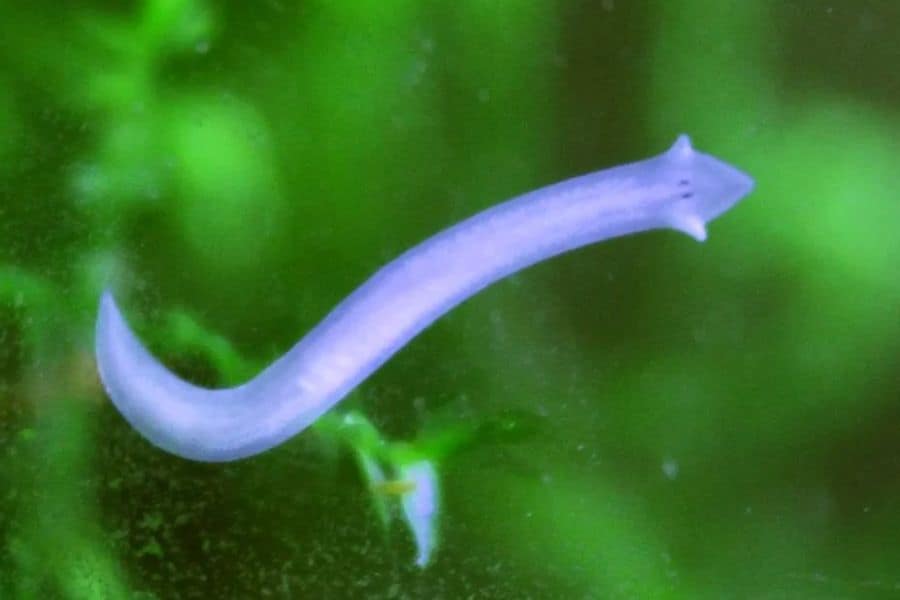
x=704 y=187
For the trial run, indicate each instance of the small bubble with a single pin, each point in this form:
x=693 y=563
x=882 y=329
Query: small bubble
x=670 y=468
x=202 y=47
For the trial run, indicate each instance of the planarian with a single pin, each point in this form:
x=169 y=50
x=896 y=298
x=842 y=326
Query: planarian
x=681 y=189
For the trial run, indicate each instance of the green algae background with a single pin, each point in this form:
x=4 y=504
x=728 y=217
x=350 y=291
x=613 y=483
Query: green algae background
x=646 y=418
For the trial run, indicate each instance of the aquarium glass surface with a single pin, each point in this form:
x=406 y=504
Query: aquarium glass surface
x=642 y=417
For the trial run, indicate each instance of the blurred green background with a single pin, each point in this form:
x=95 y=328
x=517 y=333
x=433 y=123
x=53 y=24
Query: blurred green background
x=646 y=418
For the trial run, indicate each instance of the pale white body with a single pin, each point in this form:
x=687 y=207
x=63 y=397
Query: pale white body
x=681 y=189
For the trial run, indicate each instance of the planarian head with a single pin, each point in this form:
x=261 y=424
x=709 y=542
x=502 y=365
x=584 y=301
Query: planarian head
x=703 y=187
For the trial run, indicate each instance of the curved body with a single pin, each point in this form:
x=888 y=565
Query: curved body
x=680 y=189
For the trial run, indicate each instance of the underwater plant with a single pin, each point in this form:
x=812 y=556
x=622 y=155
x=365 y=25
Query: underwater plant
x=644 y=418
